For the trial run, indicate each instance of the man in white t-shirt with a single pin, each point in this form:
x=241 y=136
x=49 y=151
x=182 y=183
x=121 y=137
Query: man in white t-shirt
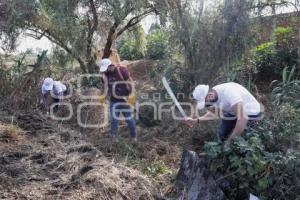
x=231 y=102
x=56 y=89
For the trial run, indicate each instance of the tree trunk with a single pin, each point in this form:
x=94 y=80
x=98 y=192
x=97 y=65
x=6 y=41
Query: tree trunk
x=110 y=39
x=81 y=64
x=197 y=181
x=92 y=67
x=274 y=23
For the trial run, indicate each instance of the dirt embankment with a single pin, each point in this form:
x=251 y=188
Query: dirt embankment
x=43 y=160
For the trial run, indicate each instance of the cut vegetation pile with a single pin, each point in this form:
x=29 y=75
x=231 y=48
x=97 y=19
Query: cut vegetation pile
x=45 y=161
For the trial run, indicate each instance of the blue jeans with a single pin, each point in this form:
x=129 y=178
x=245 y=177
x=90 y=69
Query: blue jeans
x=121 y=107
x=228 y=124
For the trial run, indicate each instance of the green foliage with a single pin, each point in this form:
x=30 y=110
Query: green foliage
x=230 y=71
x=155 y=169
x=128 y=50
x=157 y=44
x=176 y=75
x=271 y=57
x=282 y=130
x=284 y=36
x=265 y=161
x=288 y=89
x=132 y=46
x=250 y=168
x=265 y=58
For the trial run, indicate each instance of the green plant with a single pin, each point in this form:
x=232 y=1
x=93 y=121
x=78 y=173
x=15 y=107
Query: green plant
x=244 y=163
x=284 y=36
x=286 y=90
x=273 y=56
x=157 y=44
x=132 y=46
x=264 y=161
x=282 y=130
x=230 y=72
x=155 y=169
x=264 y=58
x=129 y=50
x=250 y=168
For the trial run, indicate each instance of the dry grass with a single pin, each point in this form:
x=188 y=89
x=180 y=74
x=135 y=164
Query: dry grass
x=56 y=163
x=11 y=134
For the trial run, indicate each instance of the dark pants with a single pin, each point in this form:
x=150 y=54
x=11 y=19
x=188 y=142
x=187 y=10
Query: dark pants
x=229 y=122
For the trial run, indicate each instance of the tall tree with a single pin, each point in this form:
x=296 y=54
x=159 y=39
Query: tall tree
x=73 y=24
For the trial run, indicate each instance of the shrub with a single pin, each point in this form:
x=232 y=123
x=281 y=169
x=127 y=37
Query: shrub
x=129 y=49
x=249 y=168
x=287 y=90
x=132 y=46
x=265 y=161
x=271 y=57
x=175 y=72
x=157 y=44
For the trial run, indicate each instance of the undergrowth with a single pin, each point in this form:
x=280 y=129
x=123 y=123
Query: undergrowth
x=265 y=161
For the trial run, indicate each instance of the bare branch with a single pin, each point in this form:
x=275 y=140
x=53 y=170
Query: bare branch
x=56 y=40
x=134 y=21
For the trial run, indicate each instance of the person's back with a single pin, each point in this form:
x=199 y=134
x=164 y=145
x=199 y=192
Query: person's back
x=57 y=89
x=231 y=93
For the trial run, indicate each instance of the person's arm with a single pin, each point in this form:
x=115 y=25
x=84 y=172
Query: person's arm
x=208 y=116
x=106 y=91
x=105 y=84
x=241 y=122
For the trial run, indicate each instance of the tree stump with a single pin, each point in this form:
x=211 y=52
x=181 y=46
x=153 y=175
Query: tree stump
x=196 y=180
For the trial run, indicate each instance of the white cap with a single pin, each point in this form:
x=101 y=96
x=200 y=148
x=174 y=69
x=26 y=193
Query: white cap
x=48 y=84
x=200 y=94
x=104 y=64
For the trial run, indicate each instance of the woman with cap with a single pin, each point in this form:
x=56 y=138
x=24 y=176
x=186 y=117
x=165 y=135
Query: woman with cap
x=231 y=102
x=118 y=85
x=56 y=89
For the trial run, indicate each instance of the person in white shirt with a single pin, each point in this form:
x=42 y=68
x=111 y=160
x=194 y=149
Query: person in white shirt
x=231 y=102
x=56 y=89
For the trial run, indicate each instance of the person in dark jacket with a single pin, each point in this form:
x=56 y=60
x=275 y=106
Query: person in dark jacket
x=119 y=86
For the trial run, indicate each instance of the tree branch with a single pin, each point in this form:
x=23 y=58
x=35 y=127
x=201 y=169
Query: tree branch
x=134 y=21
x=50 y=36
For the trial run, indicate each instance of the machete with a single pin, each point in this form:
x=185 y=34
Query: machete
x=170 y=92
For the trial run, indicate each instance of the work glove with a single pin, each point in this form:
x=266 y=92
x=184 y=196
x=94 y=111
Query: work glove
x=102 y=99
x=131 y=100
